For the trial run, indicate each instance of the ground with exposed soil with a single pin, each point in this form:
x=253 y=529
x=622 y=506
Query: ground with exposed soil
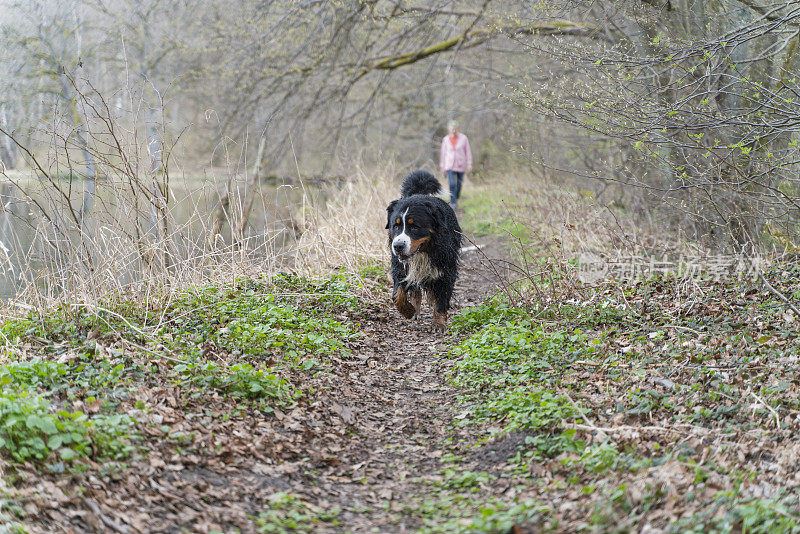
x=289 y=404
x=376 y=420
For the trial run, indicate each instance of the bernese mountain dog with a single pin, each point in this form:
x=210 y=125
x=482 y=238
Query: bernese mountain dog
x=425 y=239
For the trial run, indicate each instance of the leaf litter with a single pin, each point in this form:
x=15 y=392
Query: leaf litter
x=675 y=410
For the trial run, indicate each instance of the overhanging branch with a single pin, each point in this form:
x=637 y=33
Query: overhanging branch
x=470 y=39
x=771 y=12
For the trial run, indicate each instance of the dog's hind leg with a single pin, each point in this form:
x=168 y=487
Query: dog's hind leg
x=431 y=298
x=404 y=306
x=439 y=320
x=440 y=293
x=416 y=299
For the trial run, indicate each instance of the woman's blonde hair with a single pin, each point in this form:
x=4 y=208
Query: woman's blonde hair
x=450 y=124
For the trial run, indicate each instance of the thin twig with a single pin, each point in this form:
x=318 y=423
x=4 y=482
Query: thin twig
x=770 y=408
x=682 y=328
x=772 y=289
x=154 y=353
x=580 y=410
x=624 y=428
x=107 y=521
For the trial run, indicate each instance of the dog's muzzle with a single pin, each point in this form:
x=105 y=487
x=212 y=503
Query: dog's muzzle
x=401 y=247
x=405 y=257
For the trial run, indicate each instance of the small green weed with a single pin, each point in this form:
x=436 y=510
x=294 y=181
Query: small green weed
x=288 y=513
x=456 y=479
x=37 y=373
x=453 y=514
x=13 y=330
x=330 y=294
x=241 y=379
x=10 y=511
x=550 y=445
x=87 y=373
x=601 y=458
x=524 y=409
x=254 y=323
x=507 y=354
x=373 y=271
x=603 y=314
x=492 y=311
x=757 y=516
x=72 y=323
x=645 y=401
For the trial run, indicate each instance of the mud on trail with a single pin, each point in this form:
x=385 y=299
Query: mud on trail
x=356 y=452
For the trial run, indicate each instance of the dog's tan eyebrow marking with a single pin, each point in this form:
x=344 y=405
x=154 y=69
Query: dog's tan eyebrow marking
x=397 y=221
x=411 y=221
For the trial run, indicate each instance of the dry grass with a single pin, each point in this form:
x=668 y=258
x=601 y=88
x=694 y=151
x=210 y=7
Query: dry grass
x=311 y=230
x=550 y=226
x=555 y=216
x=117 y=250
x=348 y=230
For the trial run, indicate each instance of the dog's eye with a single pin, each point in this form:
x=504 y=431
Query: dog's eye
x=413 y=226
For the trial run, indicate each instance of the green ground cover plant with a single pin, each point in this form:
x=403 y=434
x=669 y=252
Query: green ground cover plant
x=291 y=317
x=238 y=341
x=562 y=376
x=32 y=429
x=289 y=513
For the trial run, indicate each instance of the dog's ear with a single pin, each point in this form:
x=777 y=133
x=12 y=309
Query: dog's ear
x=389 y=210
x=437 y=215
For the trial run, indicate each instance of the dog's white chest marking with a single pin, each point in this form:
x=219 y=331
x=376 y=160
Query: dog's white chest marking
x=420 y=270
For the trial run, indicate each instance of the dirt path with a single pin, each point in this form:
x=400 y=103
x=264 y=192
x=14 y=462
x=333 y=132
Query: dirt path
x=362 y=444
x=399 y=407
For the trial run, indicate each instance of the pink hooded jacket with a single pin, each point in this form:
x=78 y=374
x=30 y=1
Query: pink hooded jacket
x=458 y=158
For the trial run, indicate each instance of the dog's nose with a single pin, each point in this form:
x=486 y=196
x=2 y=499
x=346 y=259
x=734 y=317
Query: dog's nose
x=398 y=247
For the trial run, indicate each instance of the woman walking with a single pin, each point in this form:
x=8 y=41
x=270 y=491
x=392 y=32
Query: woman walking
x=455 y=160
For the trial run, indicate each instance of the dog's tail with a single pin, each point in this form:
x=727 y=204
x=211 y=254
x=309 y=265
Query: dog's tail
x=420 y=183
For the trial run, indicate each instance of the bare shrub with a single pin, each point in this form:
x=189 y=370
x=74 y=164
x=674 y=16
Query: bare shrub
x=348 y=229
x=135 y=223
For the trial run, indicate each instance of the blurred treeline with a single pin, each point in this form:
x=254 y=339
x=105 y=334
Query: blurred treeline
x=683 y=112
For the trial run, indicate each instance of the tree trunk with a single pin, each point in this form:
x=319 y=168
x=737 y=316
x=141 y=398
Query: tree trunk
x=254 y=187
x=8 y=150
x=159 y=222
x=81 y=129
x=90 y=182
x=81 y=133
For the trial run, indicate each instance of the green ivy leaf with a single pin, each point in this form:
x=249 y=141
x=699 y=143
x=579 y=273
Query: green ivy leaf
x=48 y=427
x=55 y=441
x=67 y=454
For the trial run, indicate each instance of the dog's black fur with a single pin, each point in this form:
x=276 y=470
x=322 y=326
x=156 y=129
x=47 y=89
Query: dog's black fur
x=425 y=240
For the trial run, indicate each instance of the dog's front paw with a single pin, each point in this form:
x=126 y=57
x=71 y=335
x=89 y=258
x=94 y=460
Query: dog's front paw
x=403 y=305
x=406 y=310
